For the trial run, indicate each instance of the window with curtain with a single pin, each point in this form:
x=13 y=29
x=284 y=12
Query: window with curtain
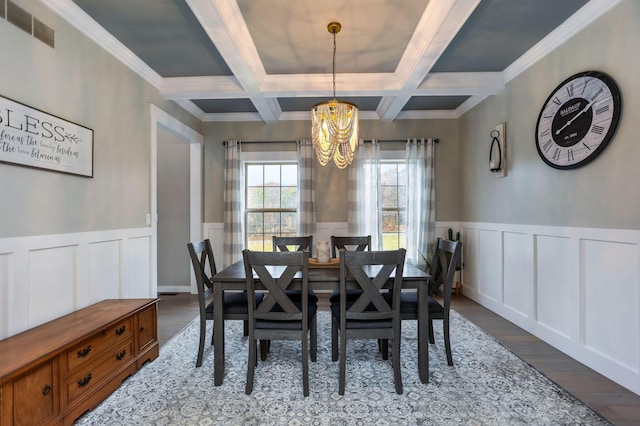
x=271 y=203
x=393 y=209
x=399 y=187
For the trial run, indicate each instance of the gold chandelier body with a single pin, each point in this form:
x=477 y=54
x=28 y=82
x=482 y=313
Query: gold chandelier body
x=335 y=132
x=334 y=129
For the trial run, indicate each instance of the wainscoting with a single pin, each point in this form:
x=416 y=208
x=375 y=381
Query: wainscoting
x=577 y=289
x=47 y=276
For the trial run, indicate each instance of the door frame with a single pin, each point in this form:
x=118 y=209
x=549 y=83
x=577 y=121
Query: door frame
x=196 y=144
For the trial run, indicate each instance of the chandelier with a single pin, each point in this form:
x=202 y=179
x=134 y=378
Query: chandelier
x=334 y=123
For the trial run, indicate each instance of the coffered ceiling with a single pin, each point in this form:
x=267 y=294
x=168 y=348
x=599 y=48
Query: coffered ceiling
x=270 y=60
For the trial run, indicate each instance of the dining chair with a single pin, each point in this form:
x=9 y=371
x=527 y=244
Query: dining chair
x=279 y=316
x=235 y=304
x=444 y=261
x=357 y=243
x=300 y=243
x=370 y=315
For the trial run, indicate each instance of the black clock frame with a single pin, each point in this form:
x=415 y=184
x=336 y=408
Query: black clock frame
x=617 y=109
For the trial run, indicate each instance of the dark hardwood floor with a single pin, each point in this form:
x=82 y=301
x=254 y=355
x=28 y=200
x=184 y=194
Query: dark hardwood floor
x=615 y=403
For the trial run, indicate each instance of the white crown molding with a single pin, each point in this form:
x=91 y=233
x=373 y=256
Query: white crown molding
x=575 y=23
x=73 y=14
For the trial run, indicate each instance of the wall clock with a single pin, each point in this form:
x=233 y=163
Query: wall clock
x=578 y=120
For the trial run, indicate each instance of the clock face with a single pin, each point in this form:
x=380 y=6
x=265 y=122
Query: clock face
x=578 y=120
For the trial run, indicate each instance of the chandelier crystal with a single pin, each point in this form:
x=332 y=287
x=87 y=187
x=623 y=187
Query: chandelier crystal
x=334 y=128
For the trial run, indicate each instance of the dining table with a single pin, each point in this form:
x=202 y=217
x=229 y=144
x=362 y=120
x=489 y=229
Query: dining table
x=320 y=277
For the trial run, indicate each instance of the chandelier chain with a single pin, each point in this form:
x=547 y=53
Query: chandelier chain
x=334 y=65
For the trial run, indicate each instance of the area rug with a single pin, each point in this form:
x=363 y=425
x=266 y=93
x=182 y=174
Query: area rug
x=488 y=385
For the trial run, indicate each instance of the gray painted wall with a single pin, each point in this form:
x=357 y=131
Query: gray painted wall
x=331 y=182
x=602 y=194
x=173 y=210
x=80 y=82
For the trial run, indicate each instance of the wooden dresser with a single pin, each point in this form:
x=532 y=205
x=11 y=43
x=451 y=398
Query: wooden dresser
x=55 y=372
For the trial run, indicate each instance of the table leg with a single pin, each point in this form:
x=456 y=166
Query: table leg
x=423 y=335
x=218 y=334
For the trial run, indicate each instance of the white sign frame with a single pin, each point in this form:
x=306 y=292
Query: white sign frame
x=33 y=138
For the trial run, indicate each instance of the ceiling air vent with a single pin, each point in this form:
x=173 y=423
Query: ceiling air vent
x=43 y=32
x=28 y=23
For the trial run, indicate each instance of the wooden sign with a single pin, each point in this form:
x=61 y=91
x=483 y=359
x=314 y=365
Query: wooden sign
x=32 y=138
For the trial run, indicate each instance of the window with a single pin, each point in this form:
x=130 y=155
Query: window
x=271 y=193
x=393 y=182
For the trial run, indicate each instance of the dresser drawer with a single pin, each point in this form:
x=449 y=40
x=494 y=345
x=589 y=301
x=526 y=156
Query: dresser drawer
x=92 y=375
x=94 y=346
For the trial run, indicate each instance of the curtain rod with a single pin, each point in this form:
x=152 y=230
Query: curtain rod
x=364 y=140
x=435 y=140
x=243 y=142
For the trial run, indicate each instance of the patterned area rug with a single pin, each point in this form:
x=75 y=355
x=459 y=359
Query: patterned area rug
x=488 y=385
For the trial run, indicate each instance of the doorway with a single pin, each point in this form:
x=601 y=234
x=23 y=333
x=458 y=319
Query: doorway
x=162 y=124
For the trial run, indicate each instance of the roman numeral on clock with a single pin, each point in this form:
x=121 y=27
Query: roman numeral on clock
x=556 y=154
x=570 y=90
x=597 y=129
x=547 y=145
x=602 y=109
x=570 y=155
x=597 y=94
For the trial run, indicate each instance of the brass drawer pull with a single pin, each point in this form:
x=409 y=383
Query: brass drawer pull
x=84 y=381
x=121 y=355
x=121 y=330
x=46 y=390
x=84 y=352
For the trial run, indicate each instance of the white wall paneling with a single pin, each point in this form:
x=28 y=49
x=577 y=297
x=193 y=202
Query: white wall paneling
x=48 y=276
x=576 y=288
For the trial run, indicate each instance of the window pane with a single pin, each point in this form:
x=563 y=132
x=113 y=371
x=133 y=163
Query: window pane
x=388 y=174
x=402 y=197
x=402 y=222
x=389 y=197
x=254 y=175
x=289 y=223
x=272 y=224
x=289 y=175
x=389 y=222
x=272 y=197
x=255 y=197
x=289 y=197
x=255 y=242
x=402 y=174
x=254 y=223
x=272 y=175
x=402 y=243
x=390 y=241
